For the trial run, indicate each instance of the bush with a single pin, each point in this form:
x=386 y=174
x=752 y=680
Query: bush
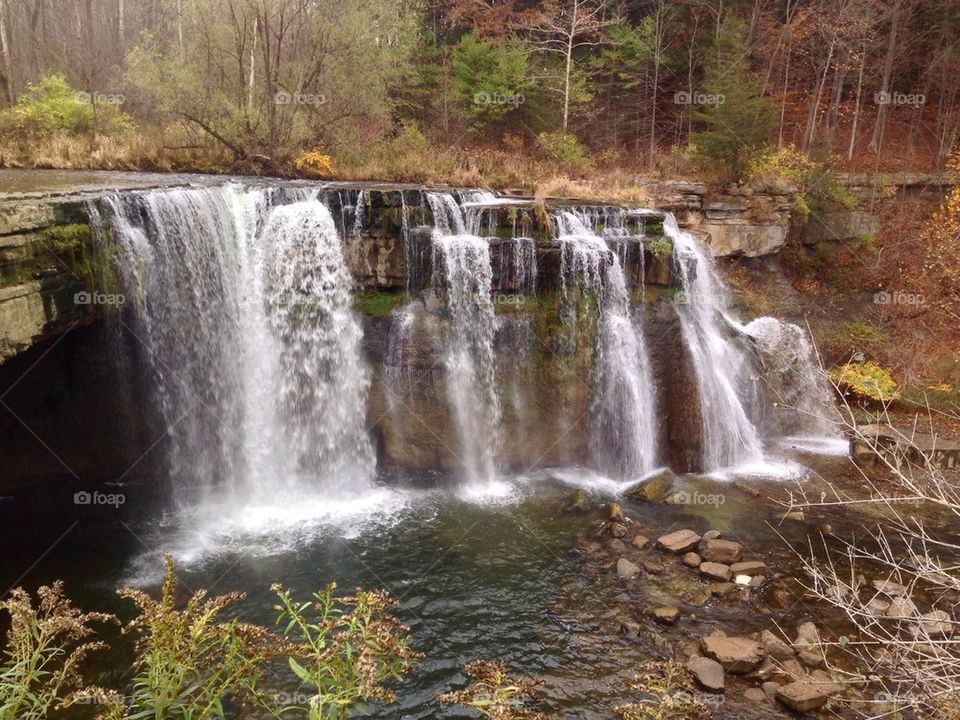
x=866 y=380
x=346 y=648
x=494 y=694
x=51 y=107
x=816 y=180
x=315 y=164
x=564 y=147
x=189 y=661
x=40 y=668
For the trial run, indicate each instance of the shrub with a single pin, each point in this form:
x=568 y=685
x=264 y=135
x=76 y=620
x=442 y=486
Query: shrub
x=315 y=163
x=815 y=179
x=564 y=147
x=189 y=661
x=345 y=648
x=661 y=248
x=51 y=107
x=40 y=667
x=866 y=380
x=668 y=693
x=494 y=694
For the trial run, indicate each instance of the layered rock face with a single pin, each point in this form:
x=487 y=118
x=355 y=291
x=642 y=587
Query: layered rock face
x=59 y=271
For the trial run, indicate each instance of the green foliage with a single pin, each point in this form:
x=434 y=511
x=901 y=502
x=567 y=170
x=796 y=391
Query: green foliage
x=346 y=648
x=661 y=248
x=51 y=107
x=737 y=119
x=565 y=148
x=489 y=78
x=40 y=666
x=189 y=660
x=816 y=180
x=494 y=694
x=865 y=380
x=379 y=304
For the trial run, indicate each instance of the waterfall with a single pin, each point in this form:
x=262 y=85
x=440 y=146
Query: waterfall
x=624 y=425
x=462 y=273
x=799 y=386
x=242 y=309
x=724 y=373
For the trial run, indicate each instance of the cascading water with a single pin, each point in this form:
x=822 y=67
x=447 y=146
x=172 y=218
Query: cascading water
x=799 y=386
x=624 y=410
x=462 y=261
x=725 y=376
x=243 y=307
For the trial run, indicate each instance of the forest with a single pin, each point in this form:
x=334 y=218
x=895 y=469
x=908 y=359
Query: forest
x=373 y=89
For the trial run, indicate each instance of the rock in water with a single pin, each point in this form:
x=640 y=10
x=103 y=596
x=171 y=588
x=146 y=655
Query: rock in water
x=722 y=551
x=749 y=567
x=708 y=673
x=667 y=614
x=715 y=571
x=802 y=696
x=691 y=559
x=678 y=542
x=737 y=654
x=627 y=569
x=652 y=488
x=578 y=503
x=775 y=647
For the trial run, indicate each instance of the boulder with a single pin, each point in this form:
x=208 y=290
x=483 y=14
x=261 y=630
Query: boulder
x=936 y=623
x=775 y=647
x=615 y=513
x=626 y=569
x=802 y=696
x=736 y=654
x=715 y=571
x=652 y=488
x=902 y=607
x=722 y=551
x=708 y=673
x=749 y=567
x=890 y=588
x=691 y=559
x=678 y=542
x=667 y=614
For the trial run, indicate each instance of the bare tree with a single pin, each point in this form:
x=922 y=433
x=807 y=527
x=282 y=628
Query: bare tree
x=566 y=26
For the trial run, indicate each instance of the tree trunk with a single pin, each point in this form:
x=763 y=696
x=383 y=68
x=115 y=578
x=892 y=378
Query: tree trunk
x=856 y=112
x=877 y=139
x=6 y=67
x=810 y=135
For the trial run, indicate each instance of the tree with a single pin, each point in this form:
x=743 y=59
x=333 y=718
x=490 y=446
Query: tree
x=737 y=119
x=564 y=27
x=489 y=78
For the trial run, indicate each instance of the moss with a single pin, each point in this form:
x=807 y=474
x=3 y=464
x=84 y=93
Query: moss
x=379 y=304
x=653 y=228
x=68 y=238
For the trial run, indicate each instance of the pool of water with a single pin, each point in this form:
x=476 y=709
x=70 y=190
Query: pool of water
x=477 y=576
